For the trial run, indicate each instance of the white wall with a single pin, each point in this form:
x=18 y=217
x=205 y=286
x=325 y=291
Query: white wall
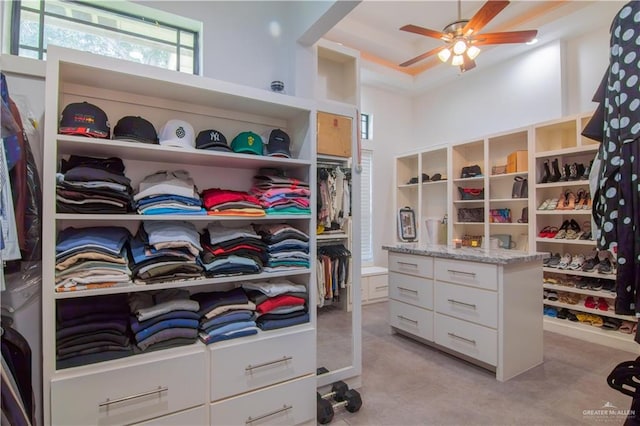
x=392 y=132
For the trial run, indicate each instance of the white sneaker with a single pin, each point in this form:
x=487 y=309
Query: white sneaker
x=577 y=262
x=565 y=261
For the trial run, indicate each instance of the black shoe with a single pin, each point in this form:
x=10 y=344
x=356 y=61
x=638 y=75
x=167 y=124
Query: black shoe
x=566 y=171
x=573 y=172
x=591 y=264
x=587 y=171
x=556 y=171
x=547 y=172
x=604 y=267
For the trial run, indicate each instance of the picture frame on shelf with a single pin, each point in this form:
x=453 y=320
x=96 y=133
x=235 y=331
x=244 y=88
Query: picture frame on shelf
x=407 y=224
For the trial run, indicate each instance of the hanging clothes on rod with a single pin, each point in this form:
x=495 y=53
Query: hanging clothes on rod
x=334 y=197
x=332 y=272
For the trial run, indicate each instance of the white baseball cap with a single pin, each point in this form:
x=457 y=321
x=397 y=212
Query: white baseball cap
x=177 y=133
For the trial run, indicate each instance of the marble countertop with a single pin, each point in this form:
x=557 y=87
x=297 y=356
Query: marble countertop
x=499 y=256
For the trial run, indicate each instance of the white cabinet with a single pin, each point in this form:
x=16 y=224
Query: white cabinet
x=486 y=312
x=175 y=385
x=375 y=284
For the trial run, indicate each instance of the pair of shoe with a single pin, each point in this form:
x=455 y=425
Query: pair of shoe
x=600 y=304
x=602 y=266
x=569 y=230
x=565 y=313
x=552 y=262
x=594 y=320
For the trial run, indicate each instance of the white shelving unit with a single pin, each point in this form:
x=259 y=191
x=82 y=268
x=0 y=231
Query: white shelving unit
x=192 y=384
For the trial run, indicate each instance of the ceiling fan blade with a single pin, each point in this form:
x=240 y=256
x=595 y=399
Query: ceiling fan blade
x=426 y=32
x=423 y=56
x=468 y=64
x=505 y=37
x=482 y=17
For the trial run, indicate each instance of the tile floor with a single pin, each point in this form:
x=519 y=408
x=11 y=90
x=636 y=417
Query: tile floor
x=407 y=383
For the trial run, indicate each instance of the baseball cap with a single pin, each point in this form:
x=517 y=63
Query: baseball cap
x=213 y=140
x=278 y=145
x=177 y=133
x=248 y=143
x=135 y=129
x=83 y=118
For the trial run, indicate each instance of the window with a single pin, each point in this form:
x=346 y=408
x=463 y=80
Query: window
x=365 y=126
x=92 y=28
x=366 y=208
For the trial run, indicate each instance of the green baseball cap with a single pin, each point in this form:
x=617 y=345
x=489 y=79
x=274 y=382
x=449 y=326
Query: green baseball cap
x=247 y=143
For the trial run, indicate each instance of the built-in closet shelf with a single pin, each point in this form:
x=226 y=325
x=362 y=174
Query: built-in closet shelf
x=435 y=182
x=157 y=153
x=408 y=185
x=524 y=225
x=565 y=241
x=506 y=200
x=568 y=151
x=611 y=338
x=586 y=292
x=562 y=184
x=580 y=273
x=595 y=311
x=468 y=223
x=563 y=212
x=130 y=287
x=472 y=179
x=508 y=175
x=467 y=201
x=329 y=237
x=170 y=217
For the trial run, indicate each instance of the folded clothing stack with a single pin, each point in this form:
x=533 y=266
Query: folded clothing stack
x=287 y=247
x=93 y=185
x=232 y=250
x=279 y=303
x=165 y=251
x=225 y=315
x=92 y=257
x=168 y=193
x=90 y=330
x=226 y=202
x=282 y=195
x=163 y=319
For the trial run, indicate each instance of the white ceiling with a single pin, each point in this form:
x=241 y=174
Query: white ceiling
x=372 y=28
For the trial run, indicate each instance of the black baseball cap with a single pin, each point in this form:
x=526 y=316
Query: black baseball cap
x=85 y=119
x=278 y=145
x=135 y=129
x=213 y=140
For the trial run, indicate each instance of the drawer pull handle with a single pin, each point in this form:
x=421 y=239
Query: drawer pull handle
x=408 y=290
x=413 y=265
x=457 y=302
x=264 y=416
x=407 y=319
x=455 y=336
x=472 y=274
x=382 y=287
x=108 y=402
x=265 y=364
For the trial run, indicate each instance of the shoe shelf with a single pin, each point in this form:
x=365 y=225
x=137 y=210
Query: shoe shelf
x=471 y=179
x=507 y=200
x=508 y=175
x=567 y=151
x=612 y=338
x=594 y=311
x=580 y=273
x=467 y=201
x=437 y=182
x=468 y=223
x=560 y=212
x=562 y=184
x=565 y=241
x=509 y=224
x=585 y=291
x=408 y=186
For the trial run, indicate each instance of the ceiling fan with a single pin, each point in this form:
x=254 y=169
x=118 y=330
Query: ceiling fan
x=463 y=37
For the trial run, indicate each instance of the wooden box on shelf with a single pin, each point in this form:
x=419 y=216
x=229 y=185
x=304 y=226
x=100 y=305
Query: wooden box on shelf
x=517 y=161
x=334 y=135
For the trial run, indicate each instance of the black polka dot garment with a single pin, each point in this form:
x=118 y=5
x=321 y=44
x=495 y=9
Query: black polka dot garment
x=617 y=205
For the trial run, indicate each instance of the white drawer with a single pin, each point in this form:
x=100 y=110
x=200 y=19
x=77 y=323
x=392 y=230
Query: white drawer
x=193 y=416
x=238 y=367
x=469 y=339
x=471 y=304
x=420 y=266
x=289 y=403
x=378 y=286
x=476 y=274
x=411 y=319
x=414 y=290
x=136 y=392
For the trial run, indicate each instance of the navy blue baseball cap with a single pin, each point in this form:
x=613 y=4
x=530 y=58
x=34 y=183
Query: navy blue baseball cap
x=278 y=145
x=135 y=129
x=213 y=140
x=85 y=119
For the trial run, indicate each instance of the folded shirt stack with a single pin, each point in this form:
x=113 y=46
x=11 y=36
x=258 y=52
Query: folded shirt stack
x=279 y=303
x=282 y=195
x=93 y=257
x=287 y=247
x=163 y=319
x=231 y=250
x=165 y=251
x=226 y=202
x=225 y=315
x=92 y=329
x=93 y=185
x=168 y=193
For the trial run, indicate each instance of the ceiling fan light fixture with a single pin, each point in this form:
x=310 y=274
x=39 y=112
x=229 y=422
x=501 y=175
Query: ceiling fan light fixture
x=444 y=54
x=473 y=52
x=457 y=60
x=459 y=47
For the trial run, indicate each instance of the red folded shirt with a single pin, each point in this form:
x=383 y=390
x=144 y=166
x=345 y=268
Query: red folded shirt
x=279 y=301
